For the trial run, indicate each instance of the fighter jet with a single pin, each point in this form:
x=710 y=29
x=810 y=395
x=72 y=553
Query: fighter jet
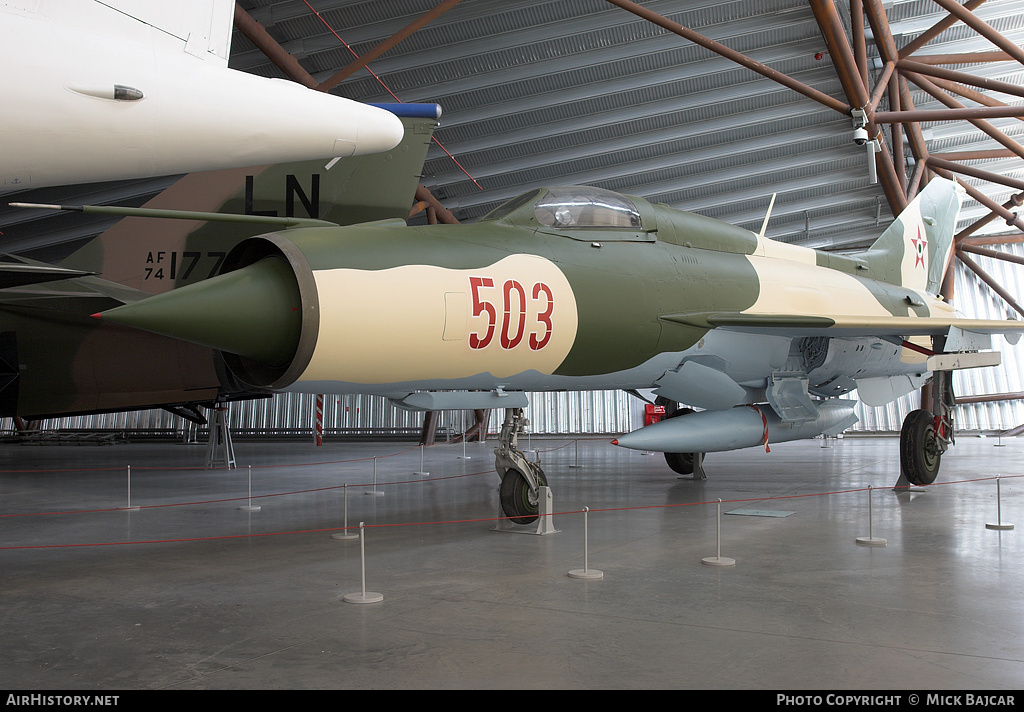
x=55 y=360
x=113 y=90
x=571 y=288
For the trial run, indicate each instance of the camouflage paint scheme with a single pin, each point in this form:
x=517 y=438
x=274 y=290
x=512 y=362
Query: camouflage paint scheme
x=521 y=301
x=59 y=361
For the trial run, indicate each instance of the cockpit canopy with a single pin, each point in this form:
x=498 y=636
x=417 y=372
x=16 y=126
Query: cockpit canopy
x=586 y=208
x=596 y=216
x=571 y=207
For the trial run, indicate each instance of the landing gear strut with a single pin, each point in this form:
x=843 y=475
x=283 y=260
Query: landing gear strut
x=926 y=435
x=521 y=479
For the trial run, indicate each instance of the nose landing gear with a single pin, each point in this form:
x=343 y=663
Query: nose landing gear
x=521 y=479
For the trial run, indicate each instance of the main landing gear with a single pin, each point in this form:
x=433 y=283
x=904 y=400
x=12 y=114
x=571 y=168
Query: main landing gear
x=521 y=479
x=683 y=463
x=926 y=435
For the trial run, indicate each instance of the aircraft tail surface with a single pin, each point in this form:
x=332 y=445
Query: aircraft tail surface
x=915 y=250
x=157 y=255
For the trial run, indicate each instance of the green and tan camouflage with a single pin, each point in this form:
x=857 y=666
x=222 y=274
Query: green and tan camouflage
x=574 y=288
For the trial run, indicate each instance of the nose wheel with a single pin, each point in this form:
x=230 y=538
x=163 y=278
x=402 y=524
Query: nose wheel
x=519 y=501
x=521 y=479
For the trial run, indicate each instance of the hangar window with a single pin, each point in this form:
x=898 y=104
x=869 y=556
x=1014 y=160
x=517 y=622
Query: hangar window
x=586 y=207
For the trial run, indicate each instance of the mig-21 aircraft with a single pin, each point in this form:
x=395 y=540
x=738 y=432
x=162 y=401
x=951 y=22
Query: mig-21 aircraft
x=574 y=288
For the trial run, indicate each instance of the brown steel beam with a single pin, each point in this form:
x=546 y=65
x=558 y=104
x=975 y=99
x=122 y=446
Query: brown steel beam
x=1003 y=239
x=896 y=132
x=994 y=254
x=899 y=158
x=831 y=26
x=989 y=398
x=733 y=55
x=976 y=155
x=860 y=50
x=952 y=103
x=892 y=184
x=962 y=114
x=917 y=144
x=965 y=234
x=887 y=48
x=259 y=36
x=880 y=28
x=840 y=52
x=915 y=179
x=935 y=30
x=987 y=279
x=982 y=28
x=428 y=433
x=975 y=172
x=962 y=77
x=968 y=93
x=881 y=86
x=999 y=210
x=387 y=44
x=443 y=214
x=963 y=58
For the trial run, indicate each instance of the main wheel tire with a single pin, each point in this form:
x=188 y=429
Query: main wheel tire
x=680 y=462
x=919 y=456
x=517 y=501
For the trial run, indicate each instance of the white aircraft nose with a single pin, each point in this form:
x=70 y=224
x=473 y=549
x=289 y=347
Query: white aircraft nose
x=377 y=130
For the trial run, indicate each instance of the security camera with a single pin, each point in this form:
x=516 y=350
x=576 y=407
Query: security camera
x=860 y=135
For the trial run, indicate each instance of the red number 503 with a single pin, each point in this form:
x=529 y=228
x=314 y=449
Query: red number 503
x=514 y=307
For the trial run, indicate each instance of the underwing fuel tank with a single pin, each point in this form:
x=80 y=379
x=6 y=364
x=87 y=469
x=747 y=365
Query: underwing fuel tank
x=739 y=427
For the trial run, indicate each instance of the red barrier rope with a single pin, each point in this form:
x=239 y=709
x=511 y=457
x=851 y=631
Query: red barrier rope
x=464 y=521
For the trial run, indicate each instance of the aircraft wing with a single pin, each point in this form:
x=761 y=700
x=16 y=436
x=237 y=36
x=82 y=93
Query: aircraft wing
x=20 y=274
x=846 y=326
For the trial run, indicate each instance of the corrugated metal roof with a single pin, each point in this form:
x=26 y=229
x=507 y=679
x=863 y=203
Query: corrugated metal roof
x=581 y=91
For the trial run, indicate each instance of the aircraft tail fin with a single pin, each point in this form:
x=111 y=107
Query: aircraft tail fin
x=915 y=250
x=155 y=255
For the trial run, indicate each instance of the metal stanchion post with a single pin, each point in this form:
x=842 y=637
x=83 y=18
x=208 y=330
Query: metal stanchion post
x=999 y=524
x=421 y=471
x=870 y=539
x=130 y=508
x=718 y=559
x=577 y=457
x=586 y=572
x=363 y=596
x=374 y=491
x=346 y=534
x=249 y=506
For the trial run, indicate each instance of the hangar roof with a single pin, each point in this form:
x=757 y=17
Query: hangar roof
x=541 y=92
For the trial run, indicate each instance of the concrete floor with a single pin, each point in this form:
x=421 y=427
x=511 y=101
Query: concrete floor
x=208 y=596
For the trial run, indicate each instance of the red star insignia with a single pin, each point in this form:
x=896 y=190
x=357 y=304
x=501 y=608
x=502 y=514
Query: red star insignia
x=920 y=248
